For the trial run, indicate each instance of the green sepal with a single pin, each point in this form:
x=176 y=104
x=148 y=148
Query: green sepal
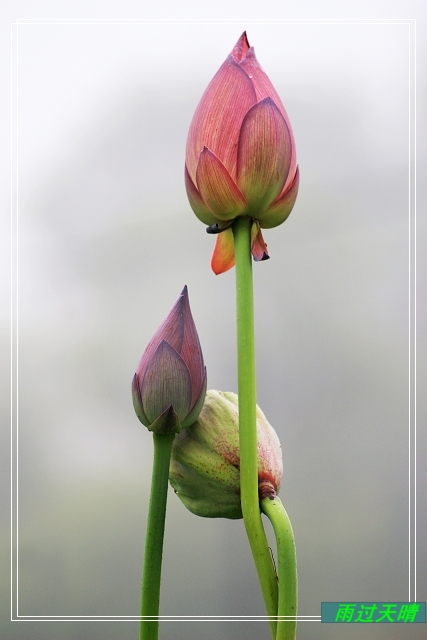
x=167 y=422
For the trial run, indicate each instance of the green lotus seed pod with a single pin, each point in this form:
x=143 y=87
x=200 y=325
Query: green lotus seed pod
x=205 y=462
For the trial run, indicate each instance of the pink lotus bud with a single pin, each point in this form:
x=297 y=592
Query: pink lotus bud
x=169 y=386
x=205 y=463
x=240 y=156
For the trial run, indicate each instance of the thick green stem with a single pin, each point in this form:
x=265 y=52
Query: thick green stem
x=150 y=600
x=287 y=568
x=247 y=418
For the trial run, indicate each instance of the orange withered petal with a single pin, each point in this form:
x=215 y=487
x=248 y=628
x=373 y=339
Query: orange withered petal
x=223 y=254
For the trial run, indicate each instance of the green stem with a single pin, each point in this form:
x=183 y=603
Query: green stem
x=247 y=418
x=287 y=567
x=150 y=600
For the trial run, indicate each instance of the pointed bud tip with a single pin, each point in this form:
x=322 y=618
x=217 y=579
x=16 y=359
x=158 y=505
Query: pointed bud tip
x=241 y=48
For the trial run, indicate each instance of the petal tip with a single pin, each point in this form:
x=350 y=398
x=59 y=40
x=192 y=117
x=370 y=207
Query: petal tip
x=241 y=48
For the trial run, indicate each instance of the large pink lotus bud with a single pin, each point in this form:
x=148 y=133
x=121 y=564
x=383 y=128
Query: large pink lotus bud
x=169 y=386
x=205 y=463
x=240 y=156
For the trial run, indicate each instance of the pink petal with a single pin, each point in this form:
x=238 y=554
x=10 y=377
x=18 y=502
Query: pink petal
x=259 y=247
x=167 y=382
x=196 y=201
x=191 y=351
x=137 y=402
x=223 y=254
x=280 y=209
x=197 y=407
x=217 y=188
x=264 y=88
x=241 y=48
x=171 y=330
x=261 y=82
x=263 y=156
x=218 y=117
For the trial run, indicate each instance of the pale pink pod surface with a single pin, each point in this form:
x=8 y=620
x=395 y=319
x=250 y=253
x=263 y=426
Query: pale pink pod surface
x=205 y=462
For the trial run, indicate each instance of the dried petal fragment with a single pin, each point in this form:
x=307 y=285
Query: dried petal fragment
x=259 y=247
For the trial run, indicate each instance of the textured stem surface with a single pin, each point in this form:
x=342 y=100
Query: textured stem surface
x=150 y=599
x=287 y=567
x=247 y=417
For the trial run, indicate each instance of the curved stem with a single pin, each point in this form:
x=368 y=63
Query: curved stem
x=287 y=567
x=247 y=417
x=150 y=599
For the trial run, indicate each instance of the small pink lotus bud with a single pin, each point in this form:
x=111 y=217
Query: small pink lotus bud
x=205 y=462
x=169 y=386
x=240 y=156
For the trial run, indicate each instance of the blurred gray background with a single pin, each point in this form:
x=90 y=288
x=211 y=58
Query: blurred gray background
x=106 y=240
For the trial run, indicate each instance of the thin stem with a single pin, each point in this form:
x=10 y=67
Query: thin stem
x=287 y=567
x=150 y=599
x=247 y=418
